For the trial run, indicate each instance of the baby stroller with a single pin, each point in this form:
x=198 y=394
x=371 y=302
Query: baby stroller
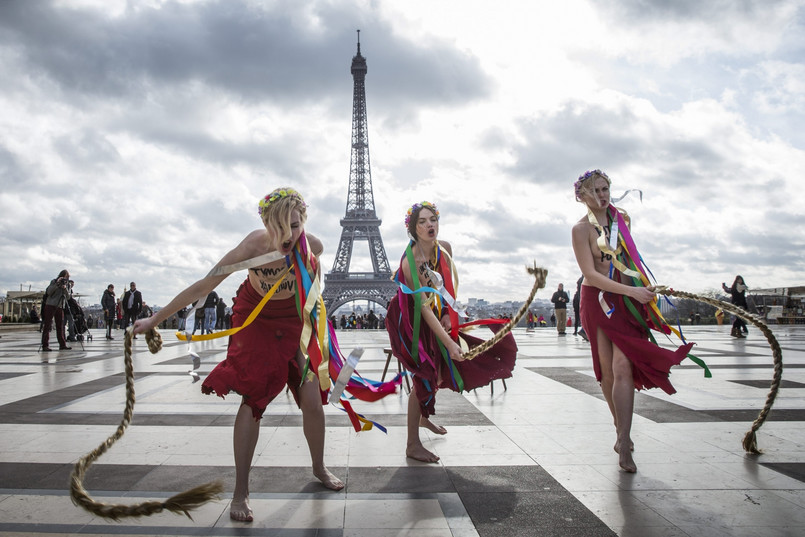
x=78 y=320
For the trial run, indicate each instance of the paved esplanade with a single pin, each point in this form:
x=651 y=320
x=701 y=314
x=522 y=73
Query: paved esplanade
x=533 y=460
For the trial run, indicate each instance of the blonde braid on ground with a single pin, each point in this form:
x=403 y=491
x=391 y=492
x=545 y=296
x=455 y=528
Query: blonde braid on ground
x=180 y=503
x=750 y=439
x=539 y=274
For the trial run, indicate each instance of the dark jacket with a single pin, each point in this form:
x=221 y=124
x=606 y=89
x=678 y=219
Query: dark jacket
x=560 y=300
x=136 y=306
x=577 y=296
x=738 y=297
x=212 y=300
x=108 y=303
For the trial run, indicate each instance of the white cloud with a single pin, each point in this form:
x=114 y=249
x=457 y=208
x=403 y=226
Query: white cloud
x=780 y=87
x=137 y=137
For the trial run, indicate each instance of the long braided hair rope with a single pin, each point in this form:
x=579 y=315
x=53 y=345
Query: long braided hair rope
x=540 y=274
x=183 y=502
x=750 y=439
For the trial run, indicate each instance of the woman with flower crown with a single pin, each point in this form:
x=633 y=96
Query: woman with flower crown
x=423 y=326
x=260 y=361
x=615 y=312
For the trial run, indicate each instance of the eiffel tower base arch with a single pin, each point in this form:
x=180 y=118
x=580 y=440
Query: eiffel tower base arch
x=340 y=291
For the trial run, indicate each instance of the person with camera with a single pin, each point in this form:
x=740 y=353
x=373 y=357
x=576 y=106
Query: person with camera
x=55 y=301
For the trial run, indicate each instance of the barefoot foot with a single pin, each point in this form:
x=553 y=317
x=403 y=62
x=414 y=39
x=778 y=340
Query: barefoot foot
x=432 y=427
x=419 y=453
x=328 y=479
x=631 y=447
x=626 y=462
x=239 y=510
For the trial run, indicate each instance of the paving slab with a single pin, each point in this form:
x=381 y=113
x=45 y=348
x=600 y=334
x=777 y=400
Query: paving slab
x=532 y=457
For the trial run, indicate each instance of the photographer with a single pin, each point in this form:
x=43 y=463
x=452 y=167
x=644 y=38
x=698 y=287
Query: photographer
x=55 y=301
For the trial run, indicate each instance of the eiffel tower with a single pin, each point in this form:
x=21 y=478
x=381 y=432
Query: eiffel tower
x=360 y=222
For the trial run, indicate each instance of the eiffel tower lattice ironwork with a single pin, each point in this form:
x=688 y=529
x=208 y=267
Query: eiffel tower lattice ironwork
x=360 y=222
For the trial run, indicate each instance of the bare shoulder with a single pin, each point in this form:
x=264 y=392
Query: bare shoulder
x=446 y=246
x=582 y=227
x=255 y=243
x=315 y=244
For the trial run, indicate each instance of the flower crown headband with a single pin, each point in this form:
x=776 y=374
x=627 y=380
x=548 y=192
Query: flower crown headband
x=276 y=195
x=584 y=177
x=417 y=206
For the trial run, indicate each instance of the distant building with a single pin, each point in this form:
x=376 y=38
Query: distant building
x=781 y=305
x=17 y=304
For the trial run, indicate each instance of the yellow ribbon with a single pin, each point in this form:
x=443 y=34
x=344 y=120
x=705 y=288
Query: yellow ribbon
x=313 y=299
x=605 y=247
x=621 y=244
x=252 y=316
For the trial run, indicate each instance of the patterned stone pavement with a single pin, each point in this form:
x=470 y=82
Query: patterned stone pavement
x=533 y=458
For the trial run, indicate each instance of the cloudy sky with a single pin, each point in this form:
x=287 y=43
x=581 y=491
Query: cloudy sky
x=136 y=137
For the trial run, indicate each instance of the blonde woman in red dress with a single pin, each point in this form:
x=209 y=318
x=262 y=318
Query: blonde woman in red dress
x=624 y=359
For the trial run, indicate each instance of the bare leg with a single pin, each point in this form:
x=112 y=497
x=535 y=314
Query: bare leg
x=423 y=421
x=432 y=427
x=623 y=397
x=246 y=432
x=618 y=389
x=313 y=426
x=607 y=377
x=415 y=449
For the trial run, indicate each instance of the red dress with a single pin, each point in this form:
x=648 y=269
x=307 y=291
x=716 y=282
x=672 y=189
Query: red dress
x=435 y=370
x=261 y=358
x=651 y=364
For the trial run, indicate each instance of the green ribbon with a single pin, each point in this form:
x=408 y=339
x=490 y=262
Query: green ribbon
x=454 y=374
x=409 y=254
x=696 y=360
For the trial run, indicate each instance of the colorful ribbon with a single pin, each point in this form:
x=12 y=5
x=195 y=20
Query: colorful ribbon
x=184 y=336
x=444 y=274
x=320 y=346
x=323 y=359
x=625 y=258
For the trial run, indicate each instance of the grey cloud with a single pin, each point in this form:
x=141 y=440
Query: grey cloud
x=251 y=50
x=502 y=233
x=691 y=10
x=11 y=171
x=509 y=232
x=281 y=156
x=86 y=149
x=741 y=251
x=781 y=219
x=411 y=171
x=560 y=146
